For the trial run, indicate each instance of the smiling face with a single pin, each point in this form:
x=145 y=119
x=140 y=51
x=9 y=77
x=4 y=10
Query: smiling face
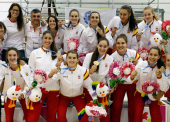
x=102 y=47
x=153 y=56
x=124 y=16
x=52 y=23
x=72 y=60
x=168 y=61
x=2 y=30
x=14 y=12
x=121 y=46
x=94 y=19
x=47 y=40
x=148 y=16
x=12 y=56
x=35 y=18
x=74 y=17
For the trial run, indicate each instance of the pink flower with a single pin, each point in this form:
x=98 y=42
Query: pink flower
x=143 y=53
x=127 y=69
x=73 y=44
x=114 y=70
x=98 y=111
x=150 y=87
x=40 y=76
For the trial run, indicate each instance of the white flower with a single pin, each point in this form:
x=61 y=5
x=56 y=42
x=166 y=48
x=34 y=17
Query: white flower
x=72 y=45
x=38 y=78
x=143 y=55
x=116 y=71
x=150 y=88
x=127 y=71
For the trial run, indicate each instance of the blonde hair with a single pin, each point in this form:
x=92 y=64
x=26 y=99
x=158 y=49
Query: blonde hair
x=150 y=8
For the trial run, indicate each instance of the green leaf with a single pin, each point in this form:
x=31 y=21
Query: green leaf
x=164 y=35
x=112 y=83
x=98 y=104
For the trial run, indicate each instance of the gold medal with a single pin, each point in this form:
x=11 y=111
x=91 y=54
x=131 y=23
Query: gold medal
x=96 y=63
x=162 y=69
x=58 y=69
x=132 y=58
x=58 y=54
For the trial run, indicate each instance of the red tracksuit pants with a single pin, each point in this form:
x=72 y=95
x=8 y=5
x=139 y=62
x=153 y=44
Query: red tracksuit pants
x=167 y=94
x=79 y=103
x=9 y=112
x=154 y=109
x=88 y=98
x=117 y=97
x=52 y=100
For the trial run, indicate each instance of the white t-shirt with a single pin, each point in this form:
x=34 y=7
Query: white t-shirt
x=14 y=37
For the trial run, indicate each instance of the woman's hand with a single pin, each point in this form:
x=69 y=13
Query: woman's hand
x=100 y=31
x=164 y=42
x=60 y=23
x=93 y=69
x=110 y=91
x=158 y=73
x=138 y=36
x=133 y=74
x=21 y=96
x=22 y=62
x=159 y=95
x=60 y=60
x=135 y=62
x=113 y=32
x=43 y=22
x=53 y=71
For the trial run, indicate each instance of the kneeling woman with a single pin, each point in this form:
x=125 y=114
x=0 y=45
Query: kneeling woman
x=21 y=74
x=99 y=72
x=149 y=71
x=72 y=79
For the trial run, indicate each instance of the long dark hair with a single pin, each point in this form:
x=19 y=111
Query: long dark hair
x=20 y=18
x=53 y=46
x=56 y=21
x=132 y=20
x=2 y=25
x=160 y=61
x=95 y=55
x=15 y=49
x=70 y=15
x=99 y=24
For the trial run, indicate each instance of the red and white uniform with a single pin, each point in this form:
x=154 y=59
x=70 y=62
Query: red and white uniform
x=15 y=37
x=71 y=87
x=119 y=93
x=34 y=37
x=144 y=75
x=155 y=27
x=73 y=31
x=167 y=94
x=124 y=29
x=59 y=39
x=21 y=75
x=40 y=59
x=101 y=76
x=89 y=41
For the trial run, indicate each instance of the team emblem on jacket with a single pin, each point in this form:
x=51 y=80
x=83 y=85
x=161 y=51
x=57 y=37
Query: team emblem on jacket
x=58 y=37
x=65 y=76
x=128 y=31
x=105 y=65
x=156 y=29
x=26 y=74
x=76 y=32
x=78 y=76
x=20 y=75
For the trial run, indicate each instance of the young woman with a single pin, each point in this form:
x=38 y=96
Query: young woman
x=21 y=74
x=58 y=32
x=150 y=70
x=166 y=76
x=125 y=23
x=15 y=30
x=122 y=55
x=46 y=60
x=100 y=72
x=151 y=19
x=3 y=37
x=72 y=81
x=91 y=34
x=74 y=28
